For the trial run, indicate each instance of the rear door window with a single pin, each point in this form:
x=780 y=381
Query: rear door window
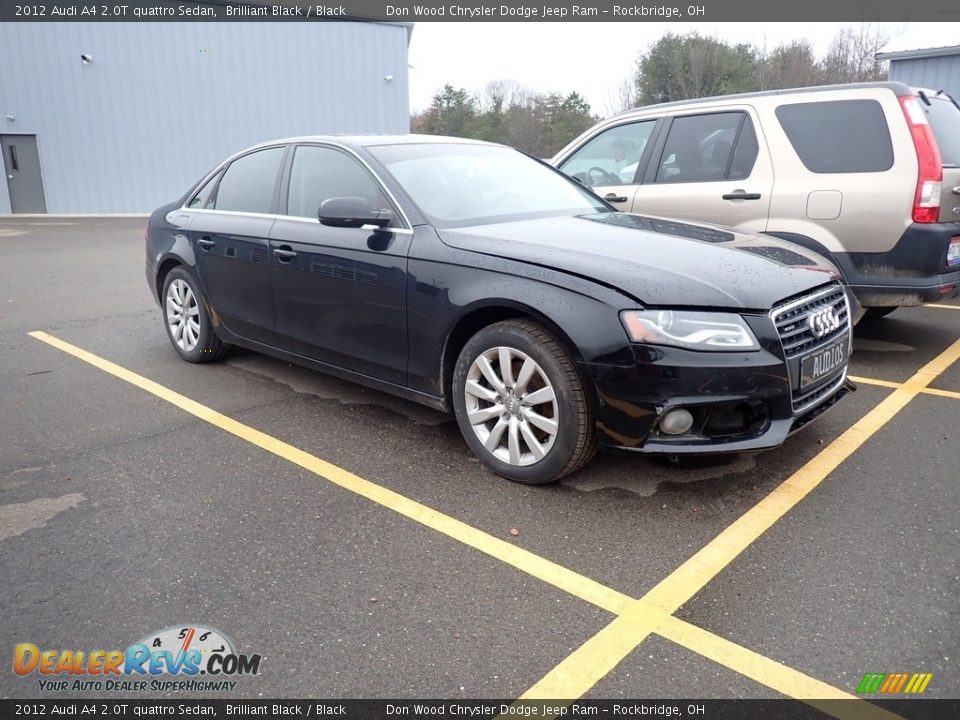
x=839 y=136
x=249 y=183
x=700 y=148
x=944 y=119
x=612 y=157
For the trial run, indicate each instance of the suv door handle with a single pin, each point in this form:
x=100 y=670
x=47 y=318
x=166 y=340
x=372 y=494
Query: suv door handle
x=206 y=243
x=741 y=195
x=285 y=253
x=613 y=197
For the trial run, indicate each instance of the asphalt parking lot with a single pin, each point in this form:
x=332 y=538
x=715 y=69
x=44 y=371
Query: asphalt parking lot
x=352 y=540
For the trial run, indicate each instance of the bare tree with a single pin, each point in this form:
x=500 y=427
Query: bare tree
x=526 y=126
x=622 y=99
x=852 y=55
x=504 y=92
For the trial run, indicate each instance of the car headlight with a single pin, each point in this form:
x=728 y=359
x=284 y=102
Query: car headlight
x=690 y=330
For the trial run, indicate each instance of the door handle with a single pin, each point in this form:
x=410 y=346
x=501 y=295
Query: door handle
x=284 y=254
x=206 y=243
x=741 y=195
x=613 y=197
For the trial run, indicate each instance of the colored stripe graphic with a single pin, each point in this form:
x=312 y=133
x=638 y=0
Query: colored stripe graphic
x=893 y=683
x=918 y=683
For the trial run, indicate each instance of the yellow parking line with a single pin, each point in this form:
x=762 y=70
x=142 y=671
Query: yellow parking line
x=942 y=306
x=635 y=620
x=606 y=649
x=684 y=582
x=584 y=667
x=771 y=673
x=567 y=580
x=889 y=384
x=942 y=393
x=878 y=383
x=589 y=663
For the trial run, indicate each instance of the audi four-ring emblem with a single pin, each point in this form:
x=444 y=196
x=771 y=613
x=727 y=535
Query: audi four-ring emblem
x=823 y=322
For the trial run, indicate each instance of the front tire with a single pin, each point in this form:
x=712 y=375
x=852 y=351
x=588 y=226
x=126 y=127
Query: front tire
x=521 y=404
x=186 y=319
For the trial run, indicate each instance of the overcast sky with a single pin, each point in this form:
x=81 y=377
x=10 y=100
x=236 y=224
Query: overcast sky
x=592 y=58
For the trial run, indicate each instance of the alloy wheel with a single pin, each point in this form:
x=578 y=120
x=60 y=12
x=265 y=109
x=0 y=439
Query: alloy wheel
x=511 y=406
x=183 y=315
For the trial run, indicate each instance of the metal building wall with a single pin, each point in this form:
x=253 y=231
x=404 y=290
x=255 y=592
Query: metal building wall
x=161 y=103
x=936 y=73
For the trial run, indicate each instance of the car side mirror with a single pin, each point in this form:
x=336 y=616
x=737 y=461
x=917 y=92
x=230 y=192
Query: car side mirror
x=352 y=212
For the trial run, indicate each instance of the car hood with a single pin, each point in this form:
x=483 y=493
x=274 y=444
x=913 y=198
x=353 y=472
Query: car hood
x=657 y=261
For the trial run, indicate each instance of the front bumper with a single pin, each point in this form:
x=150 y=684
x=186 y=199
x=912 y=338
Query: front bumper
x=740 y=402
x=627 y=420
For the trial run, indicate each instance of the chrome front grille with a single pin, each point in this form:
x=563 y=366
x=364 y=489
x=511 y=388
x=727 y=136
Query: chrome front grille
x=803 y=401
x=793 y=323
x=792 y=319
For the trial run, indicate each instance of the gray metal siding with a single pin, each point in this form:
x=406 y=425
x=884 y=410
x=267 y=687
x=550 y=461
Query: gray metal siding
x=161 y=103
x=936 y=73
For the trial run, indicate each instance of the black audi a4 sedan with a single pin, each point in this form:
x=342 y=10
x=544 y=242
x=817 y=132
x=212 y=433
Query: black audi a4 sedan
x=474 y=279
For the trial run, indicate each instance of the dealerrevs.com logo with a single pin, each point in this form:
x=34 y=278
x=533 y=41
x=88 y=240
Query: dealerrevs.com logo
x=185 y=652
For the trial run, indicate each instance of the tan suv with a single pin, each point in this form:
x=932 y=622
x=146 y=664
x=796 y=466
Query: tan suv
x=865 y=174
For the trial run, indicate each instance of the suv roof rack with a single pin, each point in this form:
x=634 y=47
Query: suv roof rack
x=898 y=88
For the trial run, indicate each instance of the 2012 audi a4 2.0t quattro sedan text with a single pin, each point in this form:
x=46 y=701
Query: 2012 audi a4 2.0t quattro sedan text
x=472 y=278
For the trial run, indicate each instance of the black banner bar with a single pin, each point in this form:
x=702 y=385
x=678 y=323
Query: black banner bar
x=477 y=11
x=112 y=707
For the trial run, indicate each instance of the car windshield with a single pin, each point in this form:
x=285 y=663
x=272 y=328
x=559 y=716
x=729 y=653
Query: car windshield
x=459 y=185
x=944 y=118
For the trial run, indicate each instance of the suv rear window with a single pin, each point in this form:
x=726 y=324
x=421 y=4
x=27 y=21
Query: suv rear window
x=841 y=136
x=944 y=119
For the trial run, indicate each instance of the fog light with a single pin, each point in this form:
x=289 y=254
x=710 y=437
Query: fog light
x=676 y=422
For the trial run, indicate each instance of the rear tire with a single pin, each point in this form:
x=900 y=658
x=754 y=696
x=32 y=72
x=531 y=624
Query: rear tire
x=875 y=313
x=186 y=319
x=521 y=404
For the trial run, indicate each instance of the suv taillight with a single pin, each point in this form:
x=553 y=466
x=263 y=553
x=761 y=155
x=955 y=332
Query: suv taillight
x=926 y=202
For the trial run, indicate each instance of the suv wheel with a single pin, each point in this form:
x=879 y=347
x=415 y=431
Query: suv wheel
x=521 y=405
x=186 y=319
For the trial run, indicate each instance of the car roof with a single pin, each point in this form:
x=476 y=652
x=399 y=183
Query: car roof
x=359 y=141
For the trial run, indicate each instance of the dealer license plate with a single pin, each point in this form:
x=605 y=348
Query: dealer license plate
x=823 y=363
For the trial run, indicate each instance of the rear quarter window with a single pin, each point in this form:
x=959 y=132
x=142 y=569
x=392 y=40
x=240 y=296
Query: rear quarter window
x=203 y=198
x=840 y=136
